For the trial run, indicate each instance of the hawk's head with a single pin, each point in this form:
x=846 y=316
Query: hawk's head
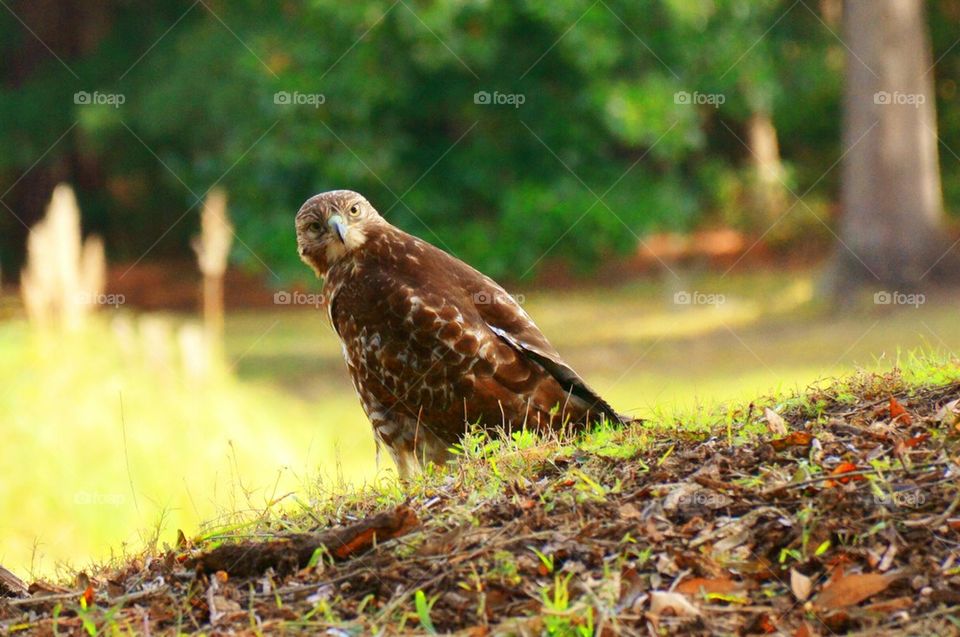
x=331 y=225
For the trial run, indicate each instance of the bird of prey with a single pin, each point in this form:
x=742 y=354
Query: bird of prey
x=433 y=346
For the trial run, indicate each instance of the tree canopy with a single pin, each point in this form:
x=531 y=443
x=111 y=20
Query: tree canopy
x=507 y=132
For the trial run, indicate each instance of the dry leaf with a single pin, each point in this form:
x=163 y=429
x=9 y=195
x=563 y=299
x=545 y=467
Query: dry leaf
x=916 y=440
x=849 y=590
x=795 y=439
x=763 y=625
x=707 y=586
x=890 y=605
x=88 y=596
x=804 y=630
x=899 y=412
x=676 y=603
x=800 y=584
x=949 y=414
x=842 y=468
x=629 y=511
x=775 y=422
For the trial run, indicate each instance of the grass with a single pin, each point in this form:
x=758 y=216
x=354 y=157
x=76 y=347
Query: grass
x=561 y=535
x=283 y=429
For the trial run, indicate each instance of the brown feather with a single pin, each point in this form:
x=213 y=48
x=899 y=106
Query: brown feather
x=434 y=346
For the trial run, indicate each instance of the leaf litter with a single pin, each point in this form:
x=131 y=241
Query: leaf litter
x=839 y=517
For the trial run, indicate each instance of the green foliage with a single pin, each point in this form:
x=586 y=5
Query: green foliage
x=382 y=100
x=423 y=606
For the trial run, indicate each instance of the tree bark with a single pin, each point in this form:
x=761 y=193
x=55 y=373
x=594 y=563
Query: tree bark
x=891 y=231
x=768 y=193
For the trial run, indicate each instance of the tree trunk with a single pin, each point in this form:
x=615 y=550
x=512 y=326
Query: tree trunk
x=891 y=231
x=768 y=193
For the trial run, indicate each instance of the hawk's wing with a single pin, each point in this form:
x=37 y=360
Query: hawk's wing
x=505 y=318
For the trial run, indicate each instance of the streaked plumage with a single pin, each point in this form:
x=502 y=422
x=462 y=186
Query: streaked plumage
x=432 y=345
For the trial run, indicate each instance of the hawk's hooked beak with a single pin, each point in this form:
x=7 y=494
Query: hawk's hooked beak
x=337 y=224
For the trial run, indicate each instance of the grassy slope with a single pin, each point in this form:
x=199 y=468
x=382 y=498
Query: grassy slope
x=568 y=537
x=288 y=413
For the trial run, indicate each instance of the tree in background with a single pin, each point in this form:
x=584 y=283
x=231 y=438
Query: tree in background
x=276 y=102
x=892 y=229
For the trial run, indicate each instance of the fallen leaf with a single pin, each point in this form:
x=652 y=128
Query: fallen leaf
x=890 y=605
x=800 y=584
x=795 y=439
x=804 y=630
x=899 y=412
x=849 y=590
x=840 y=469
x=629 y=511
x=949 y=414
x=916 y=440
x=675 y=603
x=775 y=422
x=88 y=596
x=763 y=625
x=707 y=586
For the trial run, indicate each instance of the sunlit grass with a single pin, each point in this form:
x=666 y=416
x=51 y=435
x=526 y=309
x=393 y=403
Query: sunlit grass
x=82 y=477
x=99 y=448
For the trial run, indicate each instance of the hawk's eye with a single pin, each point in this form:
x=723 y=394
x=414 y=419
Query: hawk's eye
x=354 y=210
x=314 y=227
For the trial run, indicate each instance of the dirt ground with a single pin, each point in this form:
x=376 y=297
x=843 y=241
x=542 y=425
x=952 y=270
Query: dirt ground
x=837 y=513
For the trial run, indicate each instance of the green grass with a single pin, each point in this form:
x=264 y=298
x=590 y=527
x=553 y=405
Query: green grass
x=82 y=478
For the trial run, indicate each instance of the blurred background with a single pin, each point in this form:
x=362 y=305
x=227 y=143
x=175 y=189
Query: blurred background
x=697 y=200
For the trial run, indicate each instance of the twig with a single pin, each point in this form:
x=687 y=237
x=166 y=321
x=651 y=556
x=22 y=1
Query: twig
x=935 y=520
x=846 y=474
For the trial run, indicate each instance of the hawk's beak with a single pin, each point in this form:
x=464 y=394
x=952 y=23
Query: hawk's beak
x=339 y=226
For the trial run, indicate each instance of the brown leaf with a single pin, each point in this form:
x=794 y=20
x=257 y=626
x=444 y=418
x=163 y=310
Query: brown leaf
x=294 y=551
x=88 y=596
x=949 y=414
x=707 y=586
x=849 y=590
x=11 y=584
x=629 y=511
x=763 y=625
x=775 y=422
x=675 y=603
x=839 y=470
x=916 y=440
x=899 y=412
x=795 y=439
x=804 y=630
x=890 y=605
x=800 y=584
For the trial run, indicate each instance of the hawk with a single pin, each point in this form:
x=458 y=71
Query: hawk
x=433 y=346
